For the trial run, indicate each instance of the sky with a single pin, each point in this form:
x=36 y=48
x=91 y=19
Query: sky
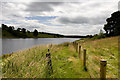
x=78 y=17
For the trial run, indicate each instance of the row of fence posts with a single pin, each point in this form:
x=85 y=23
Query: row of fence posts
x=103 y=63
x=78 y=49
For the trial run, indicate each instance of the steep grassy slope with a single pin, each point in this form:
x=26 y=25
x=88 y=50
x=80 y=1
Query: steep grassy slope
x=106 y=49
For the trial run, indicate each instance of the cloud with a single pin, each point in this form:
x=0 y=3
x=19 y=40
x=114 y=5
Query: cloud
x=119 y=5
x=82 y=20
x=78 y=18
x=41 y=6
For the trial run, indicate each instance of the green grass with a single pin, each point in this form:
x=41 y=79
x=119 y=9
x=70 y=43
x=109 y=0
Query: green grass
x=106 y=49
x=31 y=63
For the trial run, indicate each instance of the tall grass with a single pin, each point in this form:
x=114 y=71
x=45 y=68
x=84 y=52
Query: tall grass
x=32 y=63
x=106 y=49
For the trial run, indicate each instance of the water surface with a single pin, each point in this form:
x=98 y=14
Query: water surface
x=13 y=45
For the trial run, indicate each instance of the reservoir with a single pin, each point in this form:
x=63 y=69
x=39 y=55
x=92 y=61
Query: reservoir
x=12 y=45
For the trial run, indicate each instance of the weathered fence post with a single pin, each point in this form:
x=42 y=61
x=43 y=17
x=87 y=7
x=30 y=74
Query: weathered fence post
x=50 y=45
x=84 y=58
x=78 y=47
x=79 y=51
x=103 y=69
x=74 y=44
x=48 y=55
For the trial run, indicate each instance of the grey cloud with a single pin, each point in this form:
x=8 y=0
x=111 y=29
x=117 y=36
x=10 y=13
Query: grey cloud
x=16 y=15
x=119 y=5
x=78 y=20
x=82 y=20
x=41 y=6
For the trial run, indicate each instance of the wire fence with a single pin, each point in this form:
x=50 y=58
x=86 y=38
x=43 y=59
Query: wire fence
x=46 y=64
x=94 y=64
x=95 y=70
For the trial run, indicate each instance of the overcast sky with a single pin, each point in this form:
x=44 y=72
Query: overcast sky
x=68 y=18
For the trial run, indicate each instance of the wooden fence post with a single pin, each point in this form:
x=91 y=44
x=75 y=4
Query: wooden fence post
x=48 y=55
x=84 y=58
x=79 y=51
x=74 y=44
x=78 y=47
x=50 y=45
x=103 y=69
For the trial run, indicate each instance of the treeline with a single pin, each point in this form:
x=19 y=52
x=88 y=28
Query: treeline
x=112 y=27
x=11 y=32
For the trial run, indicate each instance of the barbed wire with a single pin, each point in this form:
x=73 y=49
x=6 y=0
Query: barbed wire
x=94 y=68
x=93 y=59
x=43 y=59
x=91 y=62
x=107 y=64
x=112 y=66
x=90 y=59
x=91 y=71
x=43 y=71
x=112 y=73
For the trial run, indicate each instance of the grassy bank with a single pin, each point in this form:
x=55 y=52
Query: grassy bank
x=106 y=49
x=32 y=63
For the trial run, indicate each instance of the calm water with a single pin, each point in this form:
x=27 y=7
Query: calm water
x=13 y=45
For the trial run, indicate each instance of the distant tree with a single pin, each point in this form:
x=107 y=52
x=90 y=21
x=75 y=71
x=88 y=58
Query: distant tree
x=35 y=33
x=24 y=30
x=89 y=36
x=113 y=24
x=4 y=26
x=101 y=32
x=28 y=31
x=10 y=28
x=19 y=29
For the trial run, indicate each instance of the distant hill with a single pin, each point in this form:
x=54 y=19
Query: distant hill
x=10 y=32
x=6 y=34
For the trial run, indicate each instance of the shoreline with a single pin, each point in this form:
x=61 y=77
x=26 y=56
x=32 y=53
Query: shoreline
x=30 y=42
x=47 y=45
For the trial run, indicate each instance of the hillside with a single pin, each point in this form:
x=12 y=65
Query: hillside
x=15 y=34
x=32 y=63
x=7 y=34
x=106 y=49
x=11 y=32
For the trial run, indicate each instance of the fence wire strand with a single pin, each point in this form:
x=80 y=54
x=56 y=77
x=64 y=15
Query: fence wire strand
x=113 y=67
